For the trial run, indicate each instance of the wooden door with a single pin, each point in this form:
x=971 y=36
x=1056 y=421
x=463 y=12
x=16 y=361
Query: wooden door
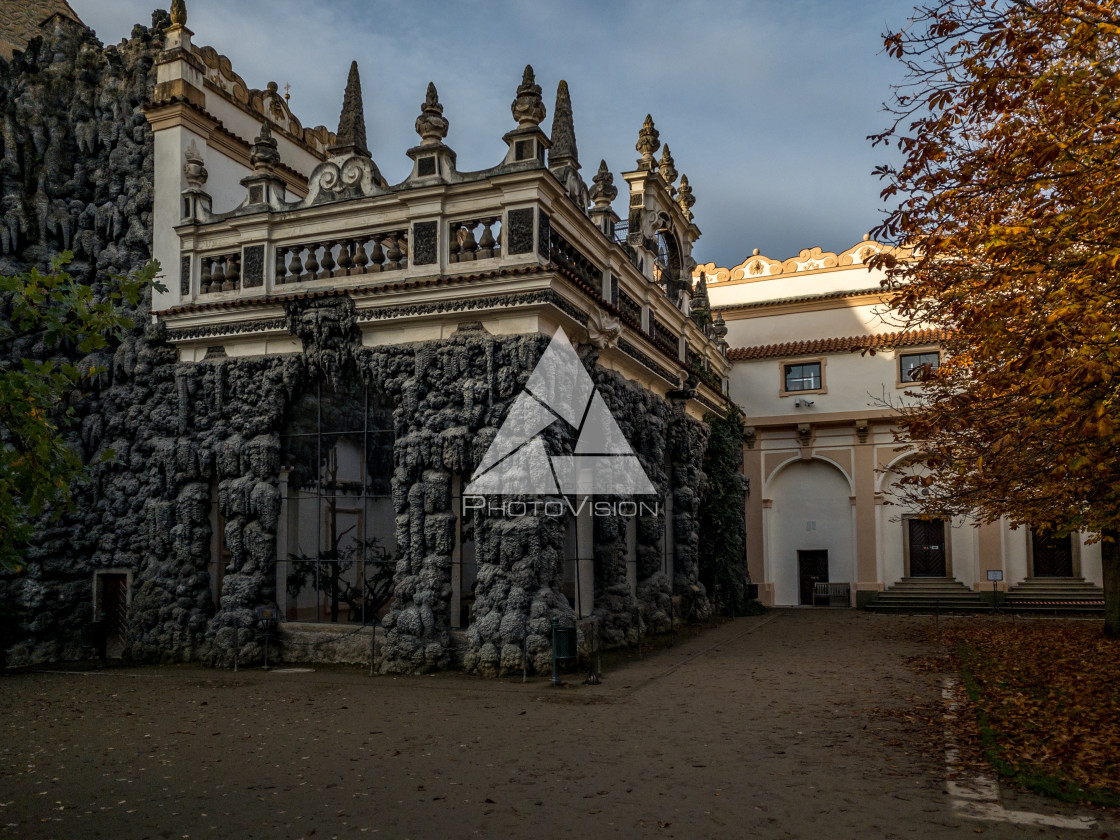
x=812 y=568
x=927 y=547
x=1053 y=556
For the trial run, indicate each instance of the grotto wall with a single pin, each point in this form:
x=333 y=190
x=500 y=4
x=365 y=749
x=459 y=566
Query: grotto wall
x=450 y=398
x=191 y=440
x=76 y=173
x=76 y=150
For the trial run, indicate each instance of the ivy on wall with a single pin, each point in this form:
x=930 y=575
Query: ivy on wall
x=723 y=556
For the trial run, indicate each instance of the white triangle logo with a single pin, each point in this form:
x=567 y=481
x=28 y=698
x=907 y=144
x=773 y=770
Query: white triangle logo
x=559 y=389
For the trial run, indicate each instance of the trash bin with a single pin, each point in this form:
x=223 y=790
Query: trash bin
x=564 y=642
x=563 y=647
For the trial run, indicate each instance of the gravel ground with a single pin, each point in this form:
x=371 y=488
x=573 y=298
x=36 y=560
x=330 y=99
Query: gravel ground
x=765 y=727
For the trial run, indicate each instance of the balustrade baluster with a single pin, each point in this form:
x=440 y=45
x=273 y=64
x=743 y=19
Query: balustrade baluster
x=360 y=258
x=233 y=273
x=312 y=264
x=281 y=264
x=217 y=275
x=204 y=276
x=453 y=246
x=469 y=245
x=393 y=253
x=486 y=243
x=344 y=261
x=328 y=260
x=376 y=256
x=296 y=268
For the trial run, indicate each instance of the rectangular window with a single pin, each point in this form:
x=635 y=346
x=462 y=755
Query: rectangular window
x=338 y=555
x=805 y=376
x=914 y=367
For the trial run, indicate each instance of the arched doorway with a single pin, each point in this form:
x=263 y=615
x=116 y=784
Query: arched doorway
x=809 y=529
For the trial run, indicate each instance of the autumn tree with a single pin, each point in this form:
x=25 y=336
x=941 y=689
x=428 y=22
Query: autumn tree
x=1008 y=190
x=60 y=321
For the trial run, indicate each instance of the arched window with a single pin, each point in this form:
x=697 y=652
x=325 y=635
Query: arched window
x=667 y=265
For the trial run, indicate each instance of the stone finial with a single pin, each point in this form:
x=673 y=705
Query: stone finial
x=720 y=327
x=700 y=294
x=563 y=149
x=666 y=168
x=528 y=108
x=179 y=12
x=648 y=143
x=193 y=170
x=603 y=190
x=685 y=198
x=263 y=154
x=431 y=124
x=352 y=122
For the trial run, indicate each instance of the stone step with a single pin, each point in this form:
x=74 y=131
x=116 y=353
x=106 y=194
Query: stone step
x=895 y=594
x=933 y=593
x=931 y=586
x=1056 y=593
x=928 y=594
x=1053 y=582
x=895 y=598
x=928 y=606
x=1056 y=586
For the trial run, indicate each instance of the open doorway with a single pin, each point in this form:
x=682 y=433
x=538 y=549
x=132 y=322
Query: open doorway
x=111 y=597
x=812 y=569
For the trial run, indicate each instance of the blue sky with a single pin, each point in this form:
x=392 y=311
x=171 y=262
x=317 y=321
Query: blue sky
x=765 y=104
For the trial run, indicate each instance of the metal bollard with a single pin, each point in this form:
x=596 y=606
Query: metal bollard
x=555 y=660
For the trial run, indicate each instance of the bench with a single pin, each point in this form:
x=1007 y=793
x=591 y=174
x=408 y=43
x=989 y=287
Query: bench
x=832 y=594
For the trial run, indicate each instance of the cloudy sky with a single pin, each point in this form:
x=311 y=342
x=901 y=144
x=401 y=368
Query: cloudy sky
x=766 y=104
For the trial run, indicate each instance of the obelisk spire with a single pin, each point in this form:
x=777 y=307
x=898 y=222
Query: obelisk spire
x=563 y=149
x=352 y=121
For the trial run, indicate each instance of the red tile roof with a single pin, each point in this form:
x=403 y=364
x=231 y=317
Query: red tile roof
x=878 y=341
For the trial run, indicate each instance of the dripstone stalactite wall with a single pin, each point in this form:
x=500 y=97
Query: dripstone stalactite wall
x=76 y=158
x=192 y=440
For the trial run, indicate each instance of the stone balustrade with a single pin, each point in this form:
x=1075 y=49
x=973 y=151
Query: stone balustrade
x=629 y=307
x=474 y=239
x=219 y=273
x=309 y=248
x=663 y=337
x=344 y=257
x=563 y=253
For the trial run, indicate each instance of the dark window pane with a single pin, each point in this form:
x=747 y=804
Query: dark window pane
x=338 y=553
x=914 y=365
x=804 y=377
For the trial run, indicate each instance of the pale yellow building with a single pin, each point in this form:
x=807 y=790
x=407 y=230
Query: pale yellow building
x=819 y=365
